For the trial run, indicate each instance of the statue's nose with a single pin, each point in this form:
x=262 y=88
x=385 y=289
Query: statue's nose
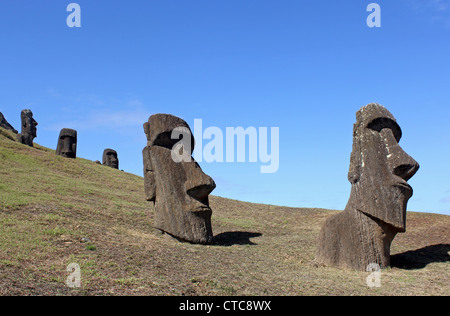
x=199 y=185
x=403 y=164
x=202 y=191
x=406 y=171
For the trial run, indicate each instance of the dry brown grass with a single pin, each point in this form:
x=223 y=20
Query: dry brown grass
x=49 y=204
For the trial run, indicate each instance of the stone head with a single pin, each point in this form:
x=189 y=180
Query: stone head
x=28 y=123
x=379 y=167
x=67 y=143
x=180 y=189
x=110 y=158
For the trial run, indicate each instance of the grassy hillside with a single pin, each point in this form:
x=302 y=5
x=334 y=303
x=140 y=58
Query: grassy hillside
x=56 y=211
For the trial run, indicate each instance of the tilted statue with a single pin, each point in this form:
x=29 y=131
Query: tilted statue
x=178 y=187
x=376 y=210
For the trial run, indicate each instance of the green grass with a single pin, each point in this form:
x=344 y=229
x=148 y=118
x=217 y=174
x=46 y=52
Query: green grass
x=239 y=222
x=91 y=247
x=50 y=205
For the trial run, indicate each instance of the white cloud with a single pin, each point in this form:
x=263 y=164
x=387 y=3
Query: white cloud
x=122 y=116
x=445 y=200
x=438 y=10
x=440 y=5
x=435 y=5
x=116 y=119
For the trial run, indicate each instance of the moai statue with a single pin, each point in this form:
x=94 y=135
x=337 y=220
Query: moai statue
x=175 y=182
x=110 y=158
x=4 y=123
x=28 y=128
x=67 y=143
x=361 y=235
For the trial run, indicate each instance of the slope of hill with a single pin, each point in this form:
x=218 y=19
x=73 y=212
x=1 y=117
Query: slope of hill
x=56 y=211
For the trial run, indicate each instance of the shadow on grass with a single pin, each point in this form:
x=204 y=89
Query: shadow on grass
x=235 y=238
x=420 y=258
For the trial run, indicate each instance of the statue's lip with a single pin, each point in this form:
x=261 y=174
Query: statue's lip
x=203 y=208
x=404 y=185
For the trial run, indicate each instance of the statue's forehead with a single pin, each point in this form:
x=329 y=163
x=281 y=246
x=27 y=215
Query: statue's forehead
x=376 y=117
x=28 y=116
x=68 y=133
x=163 y=123
x=159 y=130
x=27 y=113
x=371 y=112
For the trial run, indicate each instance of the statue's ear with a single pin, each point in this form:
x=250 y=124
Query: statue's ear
x=354 y=171
x=147 y=130
x=149 y=176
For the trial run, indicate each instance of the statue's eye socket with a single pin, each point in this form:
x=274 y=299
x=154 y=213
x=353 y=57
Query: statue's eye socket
x=379 y=124
x=165 y=140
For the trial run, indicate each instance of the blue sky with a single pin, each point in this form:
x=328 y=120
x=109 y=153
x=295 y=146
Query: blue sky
x=303 y=66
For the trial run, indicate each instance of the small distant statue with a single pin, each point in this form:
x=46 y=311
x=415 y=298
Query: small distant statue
x=361 y=235
x=4 y=123
x=29 y=130
x=67 y=143
x=110 y=158
x=179 y=188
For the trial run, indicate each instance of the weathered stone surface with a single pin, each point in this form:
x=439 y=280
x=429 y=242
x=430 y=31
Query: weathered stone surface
x=29 y=131
x=159 y=129
x=110 y=158
x=4 y=123
x=179 y=190
x=67 y=143
x=376 y=210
